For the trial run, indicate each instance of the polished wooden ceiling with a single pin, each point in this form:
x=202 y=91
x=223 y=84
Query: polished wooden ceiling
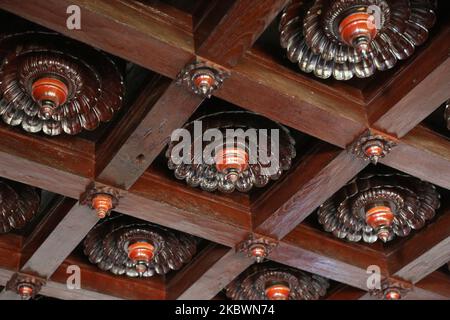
x=157 y=39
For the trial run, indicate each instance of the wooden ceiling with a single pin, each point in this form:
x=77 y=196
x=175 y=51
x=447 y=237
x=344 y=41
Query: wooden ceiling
x=157 y=39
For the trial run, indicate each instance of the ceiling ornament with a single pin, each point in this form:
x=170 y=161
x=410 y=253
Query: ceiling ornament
x=347 y=38
x=127 y=246
x=26 y=286
x=257 y=248
x=202 y=78
x=392 y=289
x=19 y=203
x=103 y=199
x=268 y=281
x=236 y=165
x=379 y=206
x=372 y=146
x=52 y=84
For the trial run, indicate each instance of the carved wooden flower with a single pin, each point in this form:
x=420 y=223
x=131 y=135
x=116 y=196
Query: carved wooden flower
x=268 y=281
x=127 y=246
x=51 y=84
x=18 y=205
x=346 y=38
x=379 y=206
x=239 y=166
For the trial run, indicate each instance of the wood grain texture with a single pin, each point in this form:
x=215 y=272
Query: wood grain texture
x=229 y=28
x=188 y=277
x=435 y=284
x=311 y=250
x=424 y=252
x=415 y=91
x=160 y=37
x=165 y=107
x=321 y=173
x=316 y=263
x=59 y=291
x=94 y=280
x=217 y=277
x=9 y=295
x=179 y=208
x=47 y=177
x=211 y=270
x=307 y=105
x=424 y=154
x=294 y=100
x=55 y=290
x=95 y=284
x=61 y=241
x=71 y=154
x=10 y=245
x=140 y=34
x=344 y=292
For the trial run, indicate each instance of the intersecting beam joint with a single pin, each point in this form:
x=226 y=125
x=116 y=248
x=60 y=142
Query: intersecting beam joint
x=202 y=77
x=25 y=285
x=257 y=247
x=372 y=145
x=101 y=198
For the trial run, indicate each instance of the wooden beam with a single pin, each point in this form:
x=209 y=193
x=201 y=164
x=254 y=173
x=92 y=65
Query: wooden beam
x=415 y=91
x=95 y=283
x=71 y=154
x=434 y=287
x=46 y=162
x=320 y=174
x=138 y=33
x=95 y=280
x=9 y=295
x=424 y=252
x=211 y=270
x=195 y=269
x=294 y=100
x=424 y=154
x=10 y=246
x=344 y=292
x=173 y=204
x=226 y=29
x=308 y=105
x=228 y=222
x=52 y=289
x=436 y=284
x=56 y=236
x=217 y=277
x=314 y=251
x=59 y=291
x=162 y=107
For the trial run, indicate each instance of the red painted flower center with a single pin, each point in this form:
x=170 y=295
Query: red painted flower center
x=357 y=30
x=231 y=160
x=278 y=291
x=392 y=294
x=49 y=93
x=380 y=218
x=203 y=81
x=25 y=291
x=374 y=151
x=102 y=203
x=258 y=252
x=141 y=253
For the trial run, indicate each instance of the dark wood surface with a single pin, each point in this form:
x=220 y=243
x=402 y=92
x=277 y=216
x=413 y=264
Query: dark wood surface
x=235 y=26
x=163 y=38
x=325 y=168
x=161 y=108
